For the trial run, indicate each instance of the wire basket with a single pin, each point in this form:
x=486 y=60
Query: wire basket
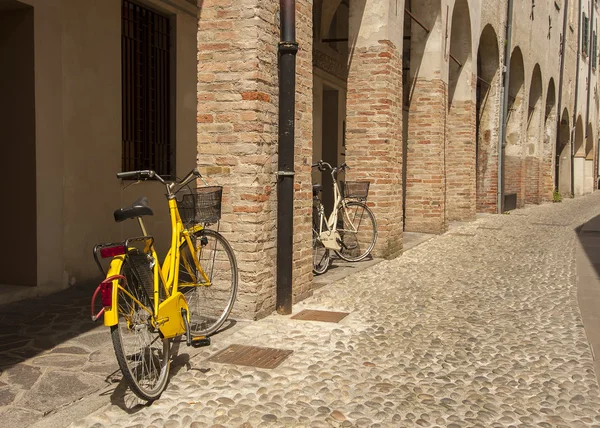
x=203 y=205
x=356 y=189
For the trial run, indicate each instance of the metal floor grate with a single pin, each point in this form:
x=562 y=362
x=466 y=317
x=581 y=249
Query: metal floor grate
x=252 y=356
x=323 y=316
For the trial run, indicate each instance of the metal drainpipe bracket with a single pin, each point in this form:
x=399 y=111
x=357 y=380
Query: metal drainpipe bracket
x=280 y=174
x=285 y=47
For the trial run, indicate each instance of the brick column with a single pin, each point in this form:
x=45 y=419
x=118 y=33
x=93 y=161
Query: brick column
x=532 y=180
x=547 y=169
x=425 y=165
x=513 y=170
x=461 y=195
x=237 y=139
x=374 y=136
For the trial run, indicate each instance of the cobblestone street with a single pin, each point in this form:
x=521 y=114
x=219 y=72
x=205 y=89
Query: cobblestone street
x=477 y=327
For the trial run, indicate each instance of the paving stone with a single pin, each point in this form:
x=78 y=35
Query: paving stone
x=23 y=375
x=7 y=396
x=64 y=361
x=55 y=389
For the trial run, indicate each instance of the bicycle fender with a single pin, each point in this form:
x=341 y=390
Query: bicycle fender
x=111 y=313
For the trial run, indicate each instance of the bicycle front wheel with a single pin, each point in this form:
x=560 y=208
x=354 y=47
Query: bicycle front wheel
x=358 y=231
x=210 y=291
x=321 y=256
x=142 y=354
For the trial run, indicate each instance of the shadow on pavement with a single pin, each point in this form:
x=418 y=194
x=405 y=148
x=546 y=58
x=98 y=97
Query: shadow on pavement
x=30 y=327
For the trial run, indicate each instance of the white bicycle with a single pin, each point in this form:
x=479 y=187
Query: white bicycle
x=350 y=230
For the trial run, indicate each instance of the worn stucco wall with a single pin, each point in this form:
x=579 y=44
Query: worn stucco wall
x=78 y=129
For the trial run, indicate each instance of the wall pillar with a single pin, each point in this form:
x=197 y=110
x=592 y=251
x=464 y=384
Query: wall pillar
x=579 y=174
x=374 y=136
x=461 y=159
x=426 y=170
x=237 y=140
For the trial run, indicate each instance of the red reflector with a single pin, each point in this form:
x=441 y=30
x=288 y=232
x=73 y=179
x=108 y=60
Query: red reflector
x=106 y=290
x=112 y=251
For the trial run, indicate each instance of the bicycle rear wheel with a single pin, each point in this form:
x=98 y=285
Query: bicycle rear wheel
x=210 y=302
x=358 y=231
x=321 y=255
x=142 y=354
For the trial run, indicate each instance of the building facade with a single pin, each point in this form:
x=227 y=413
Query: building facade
x=412 y=95
x=449 y=108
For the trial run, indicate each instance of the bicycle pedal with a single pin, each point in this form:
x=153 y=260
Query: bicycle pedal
x=198 y=342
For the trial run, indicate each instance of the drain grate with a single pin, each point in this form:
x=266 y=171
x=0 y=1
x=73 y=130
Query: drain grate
x=323 y=316
x=490 y=228
x=252 y=356
x=460 y=234
x=549 y=224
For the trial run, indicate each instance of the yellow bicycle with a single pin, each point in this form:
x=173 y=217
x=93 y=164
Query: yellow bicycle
x=191 y=293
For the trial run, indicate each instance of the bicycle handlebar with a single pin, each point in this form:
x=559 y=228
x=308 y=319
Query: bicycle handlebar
x=148 y=174
x=325 y=165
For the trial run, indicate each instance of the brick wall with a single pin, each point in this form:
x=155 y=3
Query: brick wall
x=532 y=180
x=512 y=177
x=374 y=137
x=237 y=139
x=425 y=166
x=546 y=176
x=460 y=161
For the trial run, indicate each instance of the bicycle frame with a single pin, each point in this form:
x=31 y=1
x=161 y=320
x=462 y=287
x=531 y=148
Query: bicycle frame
x=167 y=315
x=330 y=237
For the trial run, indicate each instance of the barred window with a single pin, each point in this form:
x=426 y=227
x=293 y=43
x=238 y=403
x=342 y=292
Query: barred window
x=146 y=90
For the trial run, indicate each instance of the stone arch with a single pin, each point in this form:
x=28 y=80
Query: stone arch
x=579 y=161
x=579 y=138
x=460 y=72
x=461 y=176
x=513 y=175
x=549 y=130
x=328 y=10
x=424 y=98
x=533 y=143
x=486 y=126
x=562 y=164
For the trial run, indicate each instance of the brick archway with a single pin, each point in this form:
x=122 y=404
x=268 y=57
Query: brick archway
x=588 y=172
x=562 y=164
x=549 y=129
x=513 y=147
x=488 y=99
x=423 y=118
x=579 y=161
x=460 y=129
x=533 y=144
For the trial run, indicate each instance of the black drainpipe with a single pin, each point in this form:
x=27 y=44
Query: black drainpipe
x=574 y=128
x=504 y=110
x=285 y=175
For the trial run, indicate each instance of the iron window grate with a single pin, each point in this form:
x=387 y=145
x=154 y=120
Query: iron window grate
x=146 y=87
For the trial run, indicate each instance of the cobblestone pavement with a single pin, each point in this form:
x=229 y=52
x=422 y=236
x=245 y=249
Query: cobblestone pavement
x=477 y=327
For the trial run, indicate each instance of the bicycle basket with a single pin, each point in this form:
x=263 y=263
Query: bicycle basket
x=201 y=206
x=356 y=189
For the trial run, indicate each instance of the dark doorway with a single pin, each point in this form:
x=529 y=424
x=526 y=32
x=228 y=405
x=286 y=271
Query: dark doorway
x=18 y=258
